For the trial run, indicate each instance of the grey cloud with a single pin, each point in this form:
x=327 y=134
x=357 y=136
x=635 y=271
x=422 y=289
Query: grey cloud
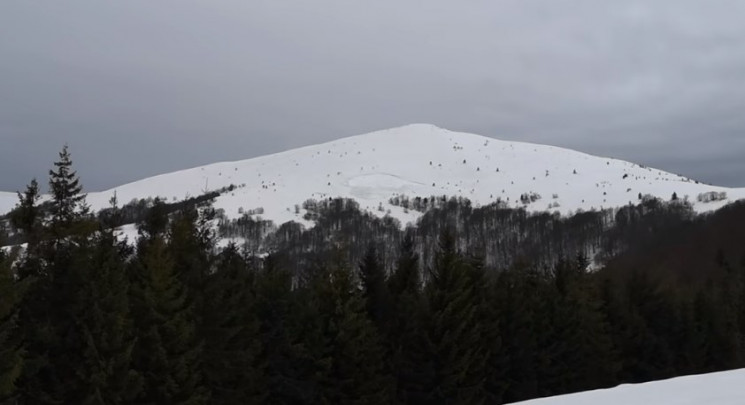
x=138 y=88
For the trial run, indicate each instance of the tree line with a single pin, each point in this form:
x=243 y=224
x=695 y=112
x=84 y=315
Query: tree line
x=86 y=318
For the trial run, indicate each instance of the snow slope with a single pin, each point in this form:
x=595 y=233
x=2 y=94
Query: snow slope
x=708 y=389
x=7 y=201
x=417 y=160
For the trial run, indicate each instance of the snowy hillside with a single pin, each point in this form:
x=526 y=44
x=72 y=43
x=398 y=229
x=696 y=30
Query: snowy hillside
x=417 y=160
x=7 y=201
x=709 y=389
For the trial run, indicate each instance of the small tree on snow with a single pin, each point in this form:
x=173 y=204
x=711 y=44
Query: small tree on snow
x=68 y=200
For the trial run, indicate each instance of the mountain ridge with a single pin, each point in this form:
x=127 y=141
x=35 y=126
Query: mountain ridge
x=417 y=160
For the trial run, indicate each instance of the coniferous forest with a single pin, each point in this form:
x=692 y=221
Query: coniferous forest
x=473 y=306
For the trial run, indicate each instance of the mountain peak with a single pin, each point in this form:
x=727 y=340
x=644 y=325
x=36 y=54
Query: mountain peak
x=418 y=126
x=420 y=160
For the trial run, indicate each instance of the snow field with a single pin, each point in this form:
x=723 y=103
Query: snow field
x=725 y=388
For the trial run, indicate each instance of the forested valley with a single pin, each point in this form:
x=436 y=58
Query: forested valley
x=473 y=305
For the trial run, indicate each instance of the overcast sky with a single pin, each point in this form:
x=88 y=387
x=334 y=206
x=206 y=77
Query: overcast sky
x=142 y=87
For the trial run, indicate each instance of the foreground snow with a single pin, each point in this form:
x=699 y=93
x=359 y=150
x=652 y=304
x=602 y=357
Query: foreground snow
x=724 y=388
x=416 y=160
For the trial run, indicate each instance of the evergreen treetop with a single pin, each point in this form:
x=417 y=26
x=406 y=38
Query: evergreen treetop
x=68 y=200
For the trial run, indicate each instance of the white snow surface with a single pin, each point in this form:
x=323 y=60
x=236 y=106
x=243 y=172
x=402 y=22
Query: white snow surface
x=725 y=388
x=7 y=201
x=415 y=160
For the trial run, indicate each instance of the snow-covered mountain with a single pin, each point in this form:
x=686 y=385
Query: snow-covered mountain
x=723 y=388
x=417 y=160
x=7 y=201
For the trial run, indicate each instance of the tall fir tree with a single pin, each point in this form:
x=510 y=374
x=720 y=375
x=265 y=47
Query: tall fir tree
x=495 y=358
x=454 y=333
x=102 y=361
x=585 y=354
x=47 y=317
x=641 y=328
x=411 y=363
x=27 y=217
x=355 y=373
x=68 y=201
x=168 y=353
x=234 y=372
x=11 y=347
x=377 y=296
x=190 y=244
x=33 y=318
x=290 y=336
x=518 y=299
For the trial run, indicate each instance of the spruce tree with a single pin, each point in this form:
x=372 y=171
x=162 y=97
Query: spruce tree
x=190 y=244
x=232 y=366
x=168 y=353
x=68 y=201
x=27 y=217
x=517 y=299
x=11 y=348
x=355 y=373
x=50 y=313
x=377 y=296
x=291 y=338
x=406 y=278
x=644 y=331
x=454 y=333
x=495 y=360
x=102 y=366
x=585 y=353
x=47 y=316
x=411 y=362
x=34 y=315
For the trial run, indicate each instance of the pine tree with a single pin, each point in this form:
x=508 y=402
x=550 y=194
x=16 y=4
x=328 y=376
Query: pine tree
x=454 y=333
x=111 y=217
x=189 y=244
x=377 y=296
x=585 y=354
x=352 y=344
x=715 y=320
x=291 y=337
x=11 y=348
x=232 y=344
x=49 y=316
x=27 y=216
x=155 y=221
x=68 y=202
x=405 y=278
x=517 y=298
x=78 y=336
x=168 y=353
x=495 y=359
x=46 y=318
x=27 y=219
x=411 y=362
x=643 y=330
x=102 y=359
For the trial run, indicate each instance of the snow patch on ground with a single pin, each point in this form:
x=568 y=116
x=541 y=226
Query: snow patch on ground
x=380 y=185
x=723 y=388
